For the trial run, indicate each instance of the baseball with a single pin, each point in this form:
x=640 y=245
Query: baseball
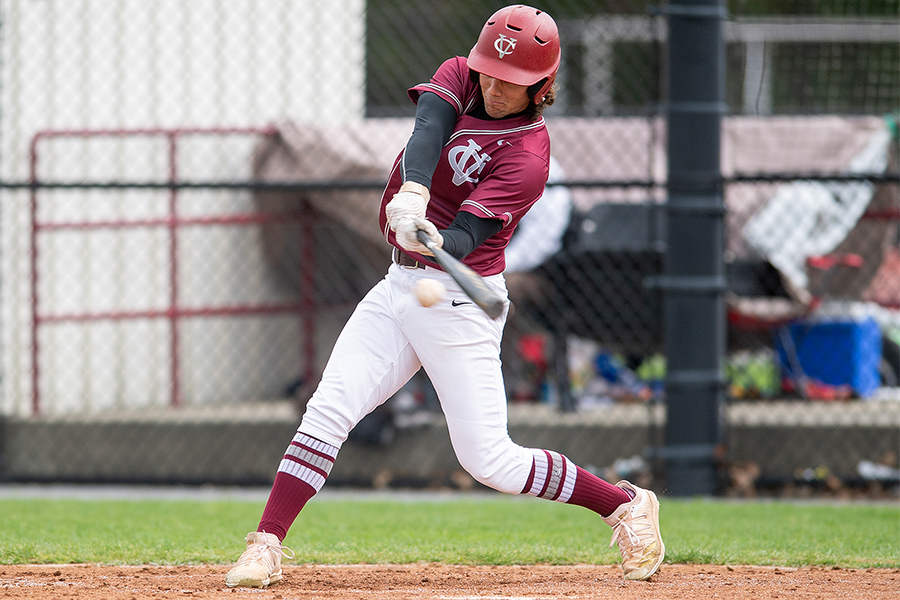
x=429 y=291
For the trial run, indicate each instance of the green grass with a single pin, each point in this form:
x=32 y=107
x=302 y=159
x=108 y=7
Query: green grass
x=492 y=530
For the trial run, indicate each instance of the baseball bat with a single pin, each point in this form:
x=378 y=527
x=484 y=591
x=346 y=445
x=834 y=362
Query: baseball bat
x=470 y=281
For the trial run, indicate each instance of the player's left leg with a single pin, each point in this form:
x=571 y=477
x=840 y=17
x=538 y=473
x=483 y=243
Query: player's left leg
x=370 y=361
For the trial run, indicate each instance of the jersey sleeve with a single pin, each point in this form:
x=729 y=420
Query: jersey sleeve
x=451 y=82
x=509 y=190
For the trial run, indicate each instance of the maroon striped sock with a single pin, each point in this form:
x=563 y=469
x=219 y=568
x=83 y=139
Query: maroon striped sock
x=596 y=494
x=288 y=497
x=555 y=477
x=301 y=474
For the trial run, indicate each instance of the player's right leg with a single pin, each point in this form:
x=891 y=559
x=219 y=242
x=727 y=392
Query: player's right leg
x=631 y=511
x=370 y=361
x=473 y=398
x=495 y=460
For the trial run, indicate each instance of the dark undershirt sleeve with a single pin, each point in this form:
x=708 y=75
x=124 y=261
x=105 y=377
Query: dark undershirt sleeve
x=467 y=232
x=435 y=120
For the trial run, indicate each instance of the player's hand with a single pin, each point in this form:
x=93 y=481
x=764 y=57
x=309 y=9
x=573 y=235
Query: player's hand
x=410 y=201
x=407 y=229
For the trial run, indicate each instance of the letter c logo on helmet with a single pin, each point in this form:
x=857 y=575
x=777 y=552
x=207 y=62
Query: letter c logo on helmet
x=520 y=45
x=504 y=45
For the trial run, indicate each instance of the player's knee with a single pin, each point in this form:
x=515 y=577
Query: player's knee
x=503 y=472
x=493 y=481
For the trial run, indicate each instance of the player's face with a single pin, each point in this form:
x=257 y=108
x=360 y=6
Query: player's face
x=502 y=98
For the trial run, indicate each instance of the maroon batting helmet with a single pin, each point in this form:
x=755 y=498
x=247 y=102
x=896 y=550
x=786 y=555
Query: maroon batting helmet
x=518 y=44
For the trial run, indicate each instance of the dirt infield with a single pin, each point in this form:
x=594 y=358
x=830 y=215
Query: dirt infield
x=431 y=581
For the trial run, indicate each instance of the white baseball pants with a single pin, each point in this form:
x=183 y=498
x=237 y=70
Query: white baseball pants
x=389 y=336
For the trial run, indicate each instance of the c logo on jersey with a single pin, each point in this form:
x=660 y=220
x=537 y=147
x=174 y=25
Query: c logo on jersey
x=461 y=156
x=504 y=45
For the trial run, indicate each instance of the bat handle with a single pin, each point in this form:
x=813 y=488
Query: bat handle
x=425 y=239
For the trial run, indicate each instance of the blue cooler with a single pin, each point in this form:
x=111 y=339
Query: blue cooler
x=834 y=352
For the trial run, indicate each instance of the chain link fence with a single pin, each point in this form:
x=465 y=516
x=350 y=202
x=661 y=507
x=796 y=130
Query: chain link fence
x=189 y=208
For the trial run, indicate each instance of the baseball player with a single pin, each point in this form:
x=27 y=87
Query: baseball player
x=476 y=161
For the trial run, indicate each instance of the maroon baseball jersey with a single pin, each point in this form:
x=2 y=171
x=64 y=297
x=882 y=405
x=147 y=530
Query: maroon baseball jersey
x=491 y=168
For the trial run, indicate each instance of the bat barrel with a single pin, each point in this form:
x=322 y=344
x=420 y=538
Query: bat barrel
x=471 y=282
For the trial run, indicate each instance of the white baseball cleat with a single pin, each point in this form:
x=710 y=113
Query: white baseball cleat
x=636 y=531
x=260 y=564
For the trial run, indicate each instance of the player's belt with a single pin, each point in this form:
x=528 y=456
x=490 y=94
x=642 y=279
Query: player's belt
x=405 y=260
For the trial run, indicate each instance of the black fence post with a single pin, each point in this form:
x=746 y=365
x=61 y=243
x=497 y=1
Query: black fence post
x=694 y=281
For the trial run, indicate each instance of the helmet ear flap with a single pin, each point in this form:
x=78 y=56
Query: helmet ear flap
x=537 y=91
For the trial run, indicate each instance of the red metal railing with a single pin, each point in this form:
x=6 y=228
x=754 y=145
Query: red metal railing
x=174 y=312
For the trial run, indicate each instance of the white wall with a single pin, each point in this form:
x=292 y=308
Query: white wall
x=103 y=64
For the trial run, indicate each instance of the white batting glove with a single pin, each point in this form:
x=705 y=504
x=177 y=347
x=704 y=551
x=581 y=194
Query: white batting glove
x=407 y=229
x=410 y=201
